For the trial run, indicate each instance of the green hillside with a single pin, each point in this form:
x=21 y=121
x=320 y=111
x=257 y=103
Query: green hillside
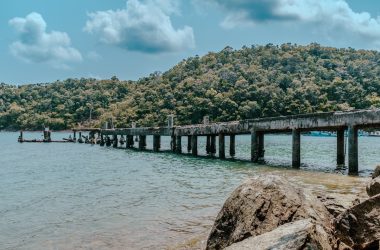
x=257 y=81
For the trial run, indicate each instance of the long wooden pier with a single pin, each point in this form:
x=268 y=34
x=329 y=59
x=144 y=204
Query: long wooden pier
x=340 y=122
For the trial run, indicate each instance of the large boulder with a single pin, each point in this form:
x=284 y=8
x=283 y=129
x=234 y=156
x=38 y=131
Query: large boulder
x=359 y=226
x=260 y=205
x=301 y=234
x=373 y=187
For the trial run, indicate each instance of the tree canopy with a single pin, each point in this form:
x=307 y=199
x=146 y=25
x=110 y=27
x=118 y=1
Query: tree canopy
x=252 y=82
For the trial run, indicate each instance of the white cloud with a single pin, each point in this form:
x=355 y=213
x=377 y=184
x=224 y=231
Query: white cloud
x=331 y=16
x=36 y=45
x=143 y=26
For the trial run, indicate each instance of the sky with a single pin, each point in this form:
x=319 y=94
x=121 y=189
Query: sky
x=48 y=40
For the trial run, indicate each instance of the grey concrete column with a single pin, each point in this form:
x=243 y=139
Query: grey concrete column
x=222 y=148
x=173 y=143
x=296 y=152
x=156 y=143
x=178 y=144
x=340 y=156
x=213 y=145
x=208 y=144
x=75 y=136
x=232 y=145
x=254 y=146
x=194 y=145
x=142 y=142
x=102 y=140
x=114 y=142
x=189 y=143
x=261 y=150
x=353 y=162
x=130 y=141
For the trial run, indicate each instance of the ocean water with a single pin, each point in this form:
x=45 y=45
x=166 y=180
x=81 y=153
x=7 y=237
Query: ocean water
x=77 y=196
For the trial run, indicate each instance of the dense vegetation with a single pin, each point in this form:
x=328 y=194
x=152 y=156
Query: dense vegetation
x=259 y=81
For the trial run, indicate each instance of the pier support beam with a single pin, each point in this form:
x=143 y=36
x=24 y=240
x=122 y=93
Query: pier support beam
x=213 y=145
x=173 y=143
x=102 y=140
x=208 y=144
x=353 y=163
x=130 y=141
x=115 y=141
x=75 y=136
x=254 y=146
x=340 y=154
x=178 y=148
x=142 y=142
x=222 y=148
x=232 y=145
x=188 y=143
x=156 y=143
x=260 y=150
x=296 y=152
x=194 y=145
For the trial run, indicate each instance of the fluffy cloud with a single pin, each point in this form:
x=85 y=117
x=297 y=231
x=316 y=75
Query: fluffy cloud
x=143 y=26
x=36 y=45
x=332 y=15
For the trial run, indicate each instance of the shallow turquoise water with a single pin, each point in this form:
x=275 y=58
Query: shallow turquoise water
x=76 y=196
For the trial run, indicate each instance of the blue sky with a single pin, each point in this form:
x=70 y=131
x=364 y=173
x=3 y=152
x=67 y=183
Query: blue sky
x=45 y=41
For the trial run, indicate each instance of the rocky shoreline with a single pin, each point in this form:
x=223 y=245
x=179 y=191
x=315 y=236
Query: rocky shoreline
x=269 y=212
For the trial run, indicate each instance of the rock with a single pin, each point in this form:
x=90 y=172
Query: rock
x=301 y=234
x=359 y=226
x=376 y=173
x=260 y=205
x=333 y=204
x=373 y=187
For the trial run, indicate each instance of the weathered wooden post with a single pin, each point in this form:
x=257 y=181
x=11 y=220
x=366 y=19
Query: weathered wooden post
x=208 y=144
x=194 y=145
x=156 y=143
x=178 y=144
x=232 y=146
x=222 y=148
x=213 y=145
x=353 y=163
x=115 y=141
x=261 y=151
x=188 y=143
x=254 y=146
x=21 y=137
x=75 y=136
x=296 y=152
x=340 y=154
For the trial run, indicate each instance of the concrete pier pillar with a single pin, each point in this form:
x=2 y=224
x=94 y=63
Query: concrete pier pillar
x=115 y=141
x=75 y=136
x=108 y=141
x=156 y=143
x=178 y=145
x=254 y=146
x=142 y=142
x=222 y=148
x=194 y=145
x=213 y=145
x=232 y=145
x=21 y=137
x=261 y=150
x=296 y=152
x=340 y=154
x=173 y=142
x=208 y=144
x=189 y=143
x=353 y=162
x=102 y=140
x=130 y=141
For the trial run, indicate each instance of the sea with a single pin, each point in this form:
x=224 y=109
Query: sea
x=81 y=196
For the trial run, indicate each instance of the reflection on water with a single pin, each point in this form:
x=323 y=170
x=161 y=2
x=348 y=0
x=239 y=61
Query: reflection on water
x=75 y=196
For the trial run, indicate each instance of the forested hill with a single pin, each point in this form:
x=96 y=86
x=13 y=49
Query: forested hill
x=259 y=81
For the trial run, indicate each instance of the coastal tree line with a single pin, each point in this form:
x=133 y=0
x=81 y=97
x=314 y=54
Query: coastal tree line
x=252 y=82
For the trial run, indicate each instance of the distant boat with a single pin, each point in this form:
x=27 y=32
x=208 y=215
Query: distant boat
x=333 y=134
x=374 y=133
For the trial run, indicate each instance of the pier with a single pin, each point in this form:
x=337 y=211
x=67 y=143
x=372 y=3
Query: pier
x=340 y=122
